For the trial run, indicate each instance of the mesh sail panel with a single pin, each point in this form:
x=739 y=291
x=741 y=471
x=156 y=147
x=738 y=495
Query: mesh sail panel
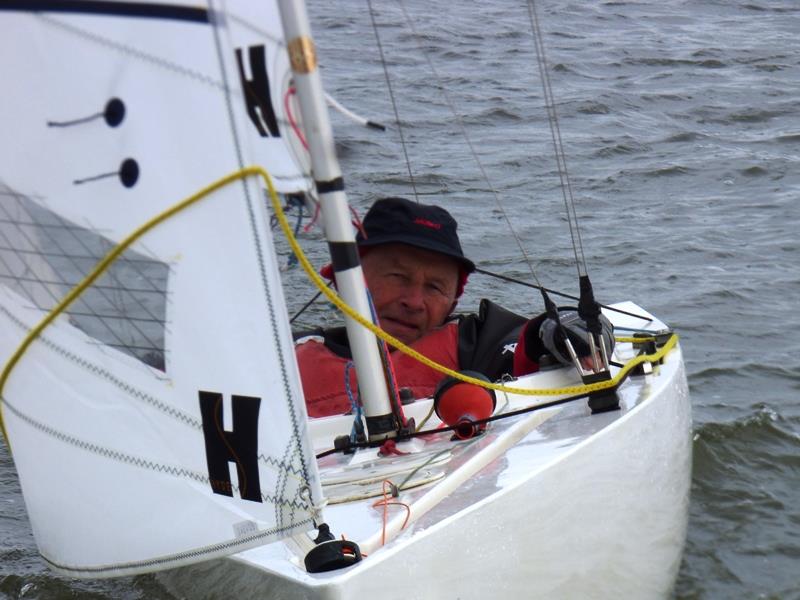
x=43 y=256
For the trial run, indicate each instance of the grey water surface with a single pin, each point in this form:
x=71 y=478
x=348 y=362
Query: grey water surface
x=681 y=127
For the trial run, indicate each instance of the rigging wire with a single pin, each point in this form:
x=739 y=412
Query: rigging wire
x=391 y=96
x=468 y=140
x=555 y=132
x=557 y=293
x=305 y=307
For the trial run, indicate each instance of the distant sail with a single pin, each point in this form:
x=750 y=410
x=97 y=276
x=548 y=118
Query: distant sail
x=160 y=420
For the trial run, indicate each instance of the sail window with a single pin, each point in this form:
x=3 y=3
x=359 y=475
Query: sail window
x=43 y=256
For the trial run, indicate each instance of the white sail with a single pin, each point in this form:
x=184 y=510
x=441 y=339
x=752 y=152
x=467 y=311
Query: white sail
x=159 y=421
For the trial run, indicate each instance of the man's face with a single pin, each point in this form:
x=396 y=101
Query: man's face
x=413 y=289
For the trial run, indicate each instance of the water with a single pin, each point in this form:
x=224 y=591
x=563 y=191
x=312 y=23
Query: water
x=679 y=121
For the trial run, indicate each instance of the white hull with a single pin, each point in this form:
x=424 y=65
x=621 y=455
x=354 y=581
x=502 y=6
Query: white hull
x=580 y=506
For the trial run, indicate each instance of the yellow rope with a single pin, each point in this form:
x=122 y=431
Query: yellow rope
x=334 y=298
x=636 y=340
x=101 y=267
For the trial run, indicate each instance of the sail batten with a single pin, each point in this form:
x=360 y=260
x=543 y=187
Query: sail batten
x=158 y=418
x=168 y=11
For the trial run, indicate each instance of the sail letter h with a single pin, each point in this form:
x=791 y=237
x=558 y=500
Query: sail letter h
x=256 y=91
x=239 y=446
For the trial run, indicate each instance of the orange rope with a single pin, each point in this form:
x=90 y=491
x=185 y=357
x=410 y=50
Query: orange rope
x=363 y=554
x=290 y=117
x=357 y=222
x=308 y=227
x=386 y=502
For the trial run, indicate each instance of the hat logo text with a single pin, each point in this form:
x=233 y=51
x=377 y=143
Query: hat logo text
x=427 y=223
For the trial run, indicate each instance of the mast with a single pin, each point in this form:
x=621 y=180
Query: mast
x=336 y=217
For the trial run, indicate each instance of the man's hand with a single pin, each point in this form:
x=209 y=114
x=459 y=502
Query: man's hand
x=553 y=337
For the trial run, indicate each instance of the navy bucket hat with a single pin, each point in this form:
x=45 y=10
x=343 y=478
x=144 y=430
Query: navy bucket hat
x=397 y=220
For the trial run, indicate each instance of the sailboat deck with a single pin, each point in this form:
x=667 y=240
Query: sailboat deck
x=548 y=458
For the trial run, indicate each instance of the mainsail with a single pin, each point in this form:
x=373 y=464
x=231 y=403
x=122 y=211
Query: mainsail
x=159 y=420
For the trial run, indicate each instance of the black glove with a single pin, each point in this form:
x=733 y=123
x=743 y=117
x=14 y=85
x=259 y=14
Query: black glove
x=551 y=336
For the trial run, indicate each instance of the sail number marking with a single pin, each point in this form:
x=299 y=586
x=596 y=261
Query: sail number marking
x=238 y=446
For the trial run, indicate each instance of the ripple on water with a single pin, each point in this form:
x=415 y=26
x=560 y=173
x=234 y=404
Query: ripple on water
x=674 y=62
x=756 y=115
x=790 y=138
x=746 y=476
x=684 y=136
x=754 y=172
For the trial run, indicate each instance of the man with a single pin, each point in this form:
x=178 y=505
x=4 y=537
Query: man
x=415 y=271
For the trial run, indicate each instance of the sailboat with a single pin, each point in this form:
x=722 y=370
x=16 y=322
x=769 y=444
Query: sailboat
x=150 y=395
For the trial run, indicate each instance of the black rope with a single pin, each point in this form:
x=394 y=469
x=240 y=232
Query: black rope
x=95 y=178
x=74 y=121
x=113 y=113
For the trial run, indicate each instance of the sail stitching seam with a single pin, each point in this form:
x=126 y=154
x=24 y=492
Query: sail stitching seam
x=178 y=472
x=134 y=52
x=136 y=393
x=103 y=373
